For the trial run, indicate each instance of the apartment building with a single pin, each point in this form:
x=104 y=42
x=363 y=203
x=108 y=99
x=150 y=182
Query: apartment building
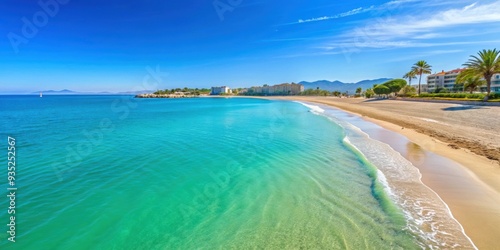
x=448 y=79
x=220 y=90
x=443 y=79
x=495 y=84
x=280 y=89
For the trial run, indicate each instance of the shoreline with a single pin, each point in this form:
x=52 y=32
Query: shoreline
x=469 y=184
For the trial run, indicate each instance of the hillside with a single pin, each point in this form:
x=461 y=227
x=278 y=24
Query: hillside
x=341 y=86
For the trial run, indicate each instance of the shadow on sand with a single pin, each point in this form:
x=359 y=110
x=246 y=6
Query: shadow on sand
x=462 y=107
x=377 y=99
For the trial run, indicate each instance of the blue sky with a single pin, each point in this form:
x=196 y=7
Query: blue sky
x=109 y=45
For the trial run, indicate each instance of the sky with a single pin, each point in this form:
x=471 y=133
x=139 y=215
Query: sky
x=90 y=45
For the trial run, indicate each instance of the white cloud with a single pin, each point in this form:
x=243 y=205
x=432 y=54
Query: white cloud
x=376 y=44
x=344 y=14
x=426 y=26
x=427 y=36
x=387 y=5
x=469 y=6
x=431 y=21
x=470 y=14
x=399 y=2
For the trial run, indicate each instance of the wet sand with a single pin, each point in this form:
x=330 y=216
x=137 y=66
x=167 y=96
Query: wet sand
x=443 y=147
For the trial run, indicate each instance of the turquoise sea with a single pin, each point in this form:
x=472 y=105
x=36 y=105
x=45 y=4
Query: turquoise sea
x=115 y=172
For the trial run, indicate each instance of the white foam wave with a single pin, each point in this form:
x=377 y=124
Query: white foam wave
x=383 y=180
x=426 y=213
x=313 y=108
x=380 y=175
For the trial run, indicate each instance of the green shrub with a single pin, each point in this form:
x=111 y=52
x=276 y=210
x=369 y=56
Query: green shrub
x=382 y=90
x=395 y=85
x=369 y=93
x=457 y=95
x=476 y=96
x=494 y=96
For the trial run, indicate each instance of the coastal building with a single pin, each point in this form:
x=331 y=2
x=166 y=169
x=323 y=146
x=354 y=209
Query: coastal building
x=448 y=79
x=495 y=84
x=220 y=90
x=443 y=79
x=280 y=89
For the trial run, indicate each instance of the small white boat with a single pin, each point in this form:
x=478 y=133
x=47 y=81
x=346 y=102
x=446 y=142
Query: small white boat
x=41 y=95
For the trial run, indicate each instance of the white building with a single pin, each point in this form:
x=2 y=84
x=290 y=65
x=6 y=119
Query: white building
x=220 y=90
x=443 y=79
x=279 y=89
x=495 y=84
x=447 y=80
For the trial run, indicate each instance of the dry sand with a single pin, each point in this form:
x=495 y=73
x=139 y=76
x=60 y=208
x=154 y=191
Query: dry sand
x=468 y=135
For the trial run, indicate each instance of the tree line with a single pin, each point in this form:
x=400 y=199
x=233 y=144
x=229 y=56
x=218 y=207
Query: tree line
x=185 y=91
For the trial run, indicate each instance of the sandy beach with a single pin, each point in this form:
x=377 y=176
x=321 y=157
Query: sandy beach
x=469 y=182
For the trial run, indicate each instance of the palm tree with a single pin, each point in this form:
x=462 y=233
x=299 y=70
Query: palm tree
x=469 y=81
x=410 y=75
x=421 y=67
x=486 y=64
x=472 y=83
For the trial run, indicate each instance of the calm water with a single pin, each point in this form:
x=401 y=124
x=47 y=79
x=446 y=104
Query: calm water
x=108 y=172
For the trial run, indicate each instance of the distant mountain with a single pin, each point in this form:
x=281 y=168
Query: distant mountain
x=57 y=92
x=135 y=92
x=342 y=86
